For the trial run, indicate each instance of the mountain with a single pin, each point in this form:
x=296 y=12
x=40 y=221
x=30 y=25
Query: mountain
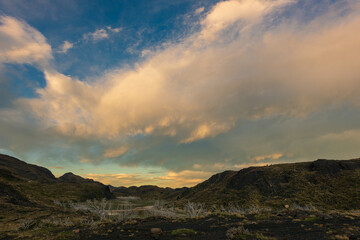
x=330 y=184
x=24 y=170
x=70 y=177
x=323 y=183
x=24 y=184
x=148 y=192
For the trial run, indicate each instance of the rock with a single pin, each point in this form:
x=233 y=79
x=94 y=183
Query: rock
x=156 y=231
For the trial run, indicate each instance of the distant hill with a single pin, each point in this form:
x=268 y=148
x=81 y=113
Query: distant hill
x=148 y=192
x=30 y=185
x=72 y=178
x=333 y=184
x=323 y=183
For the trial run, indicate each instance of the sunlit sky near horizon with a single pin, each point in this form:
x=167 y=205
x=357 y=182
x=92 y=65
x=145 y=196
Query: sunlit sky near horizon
x=138 y=92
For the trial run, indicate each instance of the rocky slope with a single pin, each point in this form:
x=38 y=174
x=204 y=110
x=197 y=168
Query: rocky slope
x=24 y=170
x=333 y=184
x=27 y=184
x=324 y=183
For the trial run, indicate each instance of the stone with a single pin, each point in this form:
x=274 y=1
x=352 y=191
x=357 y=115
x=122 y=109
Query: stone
x=156 y=231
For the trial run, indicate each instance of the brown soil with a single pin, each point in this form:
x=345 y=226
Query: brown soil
x=284 y=225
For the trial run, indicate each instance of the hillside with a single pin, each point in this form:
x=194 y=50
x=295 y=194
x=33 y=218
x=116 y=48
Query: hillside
x=331 y=184
x=22 y=183
x=24 y=170
x=149 y=192
x=311 y=189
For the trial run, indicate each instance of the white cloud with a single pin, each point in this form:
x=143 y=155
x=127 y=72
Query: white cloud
x=65 y=47
x=226 y=13
x=115 y=30
x=99 y=34
x=199 y=10
x=21 y=43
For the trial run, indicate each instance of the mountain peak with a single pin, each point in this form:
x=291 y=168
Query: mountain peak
x=25 y=170
x=70 y=177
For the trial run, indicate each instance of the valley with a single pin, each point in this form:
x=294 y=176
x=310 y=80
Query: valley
x=313 y=200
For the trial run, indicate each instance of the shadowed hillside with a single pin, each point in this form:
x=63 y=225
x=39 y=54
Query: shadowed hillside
x=22 y=183
x=331 y=184
x=24 y=170
x=268 y=201
x=149 y=192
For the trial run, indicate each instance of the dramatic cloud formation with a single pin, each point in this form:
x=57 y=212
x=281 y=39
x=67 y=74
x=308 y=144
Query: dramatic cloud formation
x=233 y=92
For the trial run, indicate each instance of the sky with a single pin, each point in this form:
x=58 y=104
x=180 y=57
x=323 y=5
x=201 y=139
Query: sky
x=168 y=93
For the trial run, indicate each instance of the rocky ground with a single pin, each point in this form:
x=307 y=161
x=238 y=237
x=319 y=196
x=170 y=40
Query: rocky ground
x=268 y=225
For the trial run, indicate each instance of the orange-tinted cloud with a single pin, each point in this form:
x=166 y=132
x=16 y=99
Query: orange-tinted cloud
x=172 y=179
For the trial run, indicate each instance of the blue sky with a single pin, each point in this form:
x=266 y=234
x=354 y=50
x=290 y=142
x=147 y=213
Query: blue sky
x=171 y=92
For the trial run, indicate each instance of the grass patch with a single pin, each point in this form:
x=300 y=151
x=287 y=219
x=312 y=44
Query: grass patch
x=312 y=219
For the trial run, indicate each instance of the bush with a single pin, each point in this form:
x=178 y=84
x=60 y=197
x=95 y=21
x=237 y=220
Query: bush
x=194 y=209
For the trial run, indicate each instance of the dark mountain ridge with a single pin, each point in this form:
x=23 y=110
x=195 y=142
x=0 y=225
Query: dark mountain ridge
x=149 y=192
x=25 y=170
x=27 y=184
x=326 y=183
x=70 y=177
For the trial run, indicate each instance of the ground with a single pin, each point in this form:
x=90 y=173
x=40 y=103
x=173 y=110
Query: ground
x=267 y=225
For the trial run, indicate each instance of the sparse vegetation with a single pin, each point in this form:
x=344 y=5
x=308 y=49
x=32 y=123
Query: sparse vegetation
x=183 y=231
x=63 y=210
x=237 y=233
x=194 y=209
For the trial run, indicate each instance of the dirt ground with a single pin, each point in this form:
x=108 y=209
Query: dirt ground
x=291 y=225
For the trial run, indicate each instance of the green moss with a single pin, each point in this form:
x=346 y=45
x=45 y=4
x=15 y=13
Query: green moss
x=312 y=219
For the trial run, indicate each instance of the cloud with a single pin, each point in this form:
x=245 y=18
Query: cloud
x=56 y=167
x=65 y=47
x=111 y=153
x=199 y=10
x=191 y=92
x=242 y=166
x=243 y=85
x=21 y=43
x=102 y=33
x=273 y=156
x=98 y=34
x=85 y=160
x=170 y=179
x=115 y=30
x=119 y=179
x=243 y=12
